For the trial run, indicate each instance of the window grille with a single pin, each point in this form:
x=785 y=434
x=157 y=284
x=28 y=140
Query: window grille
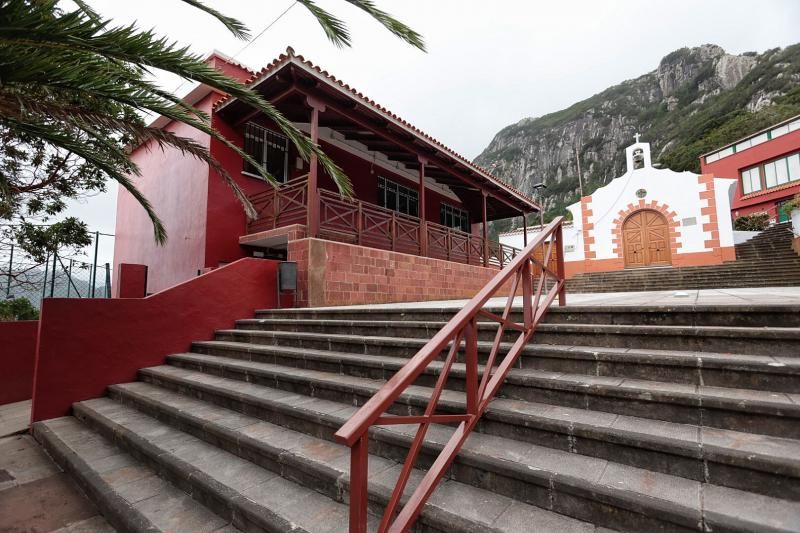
x=268 y=148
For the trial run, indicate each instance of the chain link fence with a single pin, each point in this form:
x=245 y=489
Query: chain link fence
x=57 y=277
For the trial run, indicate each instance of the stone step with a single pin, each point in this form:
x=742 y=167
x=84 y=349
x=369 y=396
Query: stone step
x=759 y=372
x=777 y=279
x=129 y=494
x=251 y=497
x=676 y=287
x=754 y=341
x=755 y=261
x=743 y=410
x=788 y=270
x=666 y=315
x=721 y=279
x=559 y=479
x=303 y=474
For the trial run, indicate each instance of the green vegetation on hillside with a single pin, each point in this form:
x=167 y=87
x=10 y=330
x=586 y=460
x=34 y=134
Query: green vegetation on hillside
x=697 y=115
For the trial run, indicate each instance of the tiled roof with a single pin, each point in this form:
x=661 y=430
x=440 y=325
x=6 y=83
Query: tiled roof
x=290 y=56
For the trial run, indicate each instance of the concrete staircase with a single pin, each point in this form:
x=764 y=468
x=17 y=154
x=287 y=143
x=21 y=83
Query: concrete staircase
x=767 y=260
x=637 y=419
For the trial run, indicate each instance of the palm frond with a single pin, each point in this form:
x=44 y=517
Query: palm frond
x=390 y=23
x=335 y=30
x=234 y=26
x=59 y=139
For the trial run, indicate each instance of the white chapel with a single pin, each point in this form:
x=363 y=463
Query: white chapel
x=648 y=217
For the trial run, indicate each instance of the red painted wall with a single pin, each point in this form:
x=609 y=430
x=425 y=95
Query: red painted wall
x=177 y=186
x=731 y=167
x=131 y=281
x=86 y=345
x=17 y=360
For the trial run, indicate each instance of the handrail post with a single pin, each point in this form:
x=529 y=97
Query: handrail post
x=275 y=208
x=394 y=230
x=359 y=223
x=471 y=364
x=527 y=293
x=359 y=467
x=559 y=251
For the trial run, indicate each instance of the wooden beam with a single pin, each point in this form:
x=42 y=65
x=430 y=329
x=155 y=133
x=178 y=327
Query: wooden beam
x=432 y=153
x=313 y=191
x=486 y=233
x=524 y=230
x=423 y=224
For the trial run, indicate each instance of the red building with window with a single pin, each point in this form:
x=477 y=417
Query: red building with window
x=766 y=165
x=415 y=228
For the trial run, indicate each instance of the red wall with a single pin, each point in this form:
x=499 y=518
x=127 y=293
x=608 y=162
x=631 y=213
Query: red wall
x=731 y=166
x=17 y=360
x=86 y=345
x=177 y=186
x=131 y=281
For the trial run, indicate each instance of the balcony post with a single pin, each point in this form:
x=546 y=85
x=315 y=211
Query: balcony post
x=486 y=235
x=423 y=224
x=313 y=188
x=524 y=230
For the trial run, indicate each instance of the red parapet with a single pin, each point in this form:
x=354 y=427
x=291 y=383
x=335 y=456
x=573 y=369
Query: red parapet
x=87 y=344
x=17 y=360
x=538 y=273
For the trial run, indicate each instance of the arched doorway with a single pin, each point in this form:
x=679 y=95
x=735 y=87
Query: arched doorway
x=645 y=238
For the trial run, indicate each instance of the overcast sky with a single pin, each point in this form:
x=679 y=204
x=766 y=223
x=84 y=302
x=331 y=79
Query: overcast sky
x=489 y=63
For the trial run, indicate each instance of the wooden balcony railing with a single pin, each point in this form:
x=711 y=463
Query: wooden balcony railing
x=458 y=337
x=281 y=206
x=365 y=224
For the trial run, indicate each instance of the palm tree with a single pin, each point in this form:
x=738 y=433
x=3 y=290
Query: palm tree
x=72 y=79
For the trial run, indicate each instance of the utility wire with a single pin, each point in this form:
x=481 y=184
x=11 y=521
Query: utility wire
x=251 y=41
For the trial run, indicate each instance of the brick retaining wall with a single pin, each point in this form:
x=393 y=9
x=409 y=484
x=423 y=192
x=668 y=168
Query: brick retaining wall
x=331 y=273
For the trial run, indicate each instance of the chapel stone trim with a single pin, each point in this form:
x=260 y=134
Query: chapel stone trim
x=588 y=228
x=712 y=226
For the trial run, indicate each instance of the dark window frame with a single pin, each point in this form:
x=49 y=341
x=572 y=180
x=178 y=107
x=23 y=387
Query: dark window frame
x=458 y=217
x=397 y=197
x=262 y=144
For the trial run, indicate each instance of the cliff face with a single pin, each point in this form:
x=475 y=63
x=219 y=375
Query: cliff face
x=695 y=100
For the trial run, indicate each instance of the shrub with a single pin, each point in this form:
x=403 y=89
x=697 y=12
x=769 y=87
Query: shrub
x=17 y=309
x=754 y=222
x=791 y=205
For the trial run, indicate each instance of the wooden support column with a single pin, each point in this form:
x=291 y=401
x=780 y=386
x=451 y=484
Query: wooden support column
x=524 y=230
x=313 y=182
x=486 y=234
x=423 y=223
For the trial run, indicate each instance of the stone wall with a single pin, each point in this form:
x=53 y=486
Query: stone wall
x=331 y=273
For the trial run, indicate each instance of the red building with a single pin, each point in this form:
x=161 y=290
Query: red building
x=766 y=165
x=415 y=229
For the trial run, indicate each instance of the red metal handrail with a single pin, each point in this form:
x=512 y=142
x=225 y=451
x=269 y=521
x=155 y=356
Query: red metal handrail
x=479 y=389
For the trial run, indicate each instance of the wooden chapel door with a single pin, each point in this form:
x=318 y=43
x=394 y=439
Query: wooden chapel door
x=645 y=237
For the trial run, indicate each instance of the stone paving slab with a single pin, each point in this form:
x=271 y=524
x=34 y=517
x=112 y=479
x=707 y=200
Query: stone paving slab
x=36 y=496
x=14 y=418
x=691 y=297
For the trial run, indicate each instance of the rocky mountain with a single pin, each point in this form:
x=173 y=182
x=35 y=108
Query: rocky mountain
x=697 y=99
